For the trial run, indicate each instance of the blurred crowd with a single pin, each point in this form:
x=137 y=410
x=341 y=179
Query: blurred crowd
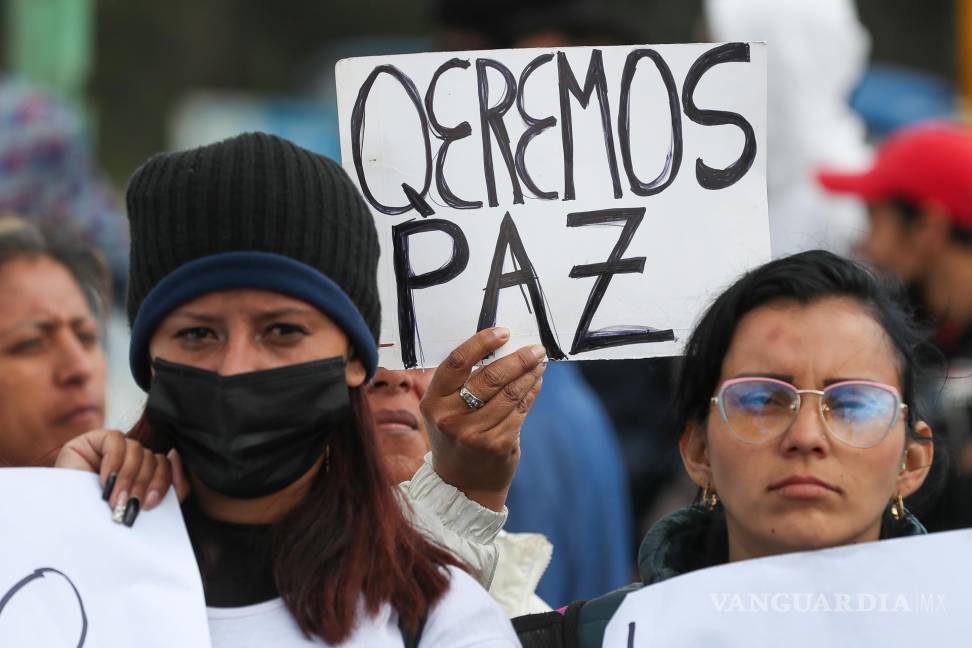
x=599 y=460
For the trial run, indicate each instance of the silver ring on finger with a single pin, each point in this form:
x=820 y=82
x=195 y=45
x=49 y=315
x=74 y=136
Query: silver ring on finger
x=472 y=401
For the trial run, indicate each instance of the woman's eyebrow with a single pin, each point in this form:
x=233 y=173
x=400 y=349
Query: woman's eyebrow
x=84 y=321
x=45 y=325
x=290 y=311
x=789 y=379
x=196 y=317
x=834 y=381
x=783 y=377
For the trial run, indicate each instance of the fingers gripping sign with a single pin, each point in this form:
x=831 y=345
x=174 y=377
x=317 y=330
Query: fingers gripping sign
x=132 y=476
x=474 y=417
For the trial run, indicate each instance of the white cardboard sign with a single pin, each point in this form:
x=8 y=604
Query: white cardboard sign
x=590 y=199
x=913 y=591
x=72 y=578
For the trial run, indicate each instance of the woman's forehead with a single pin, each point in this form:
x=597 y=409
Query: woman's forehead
x=39 y=289
x=826 y=339
x=245 y=301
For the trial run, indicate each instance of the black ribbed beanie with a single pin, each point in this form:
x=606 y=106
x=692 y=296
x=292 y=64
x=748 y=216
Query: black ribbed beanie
x=251 y=193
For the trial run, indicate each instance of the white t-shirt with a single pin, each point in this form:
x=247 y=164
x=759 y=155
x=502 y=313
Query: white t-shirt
x=465 y=617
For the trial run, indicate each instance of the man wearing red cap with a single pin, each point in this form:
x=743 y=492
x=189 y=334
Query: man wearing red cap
x=919 y=199
x=919 y=196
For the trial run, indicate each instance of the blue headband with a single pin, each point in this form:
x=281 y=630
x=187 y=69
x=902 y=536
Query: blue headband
x=259 y=270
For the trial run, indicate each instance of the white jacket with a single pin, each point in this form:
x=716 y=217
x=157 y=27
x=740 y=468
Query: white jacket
x=509 y=565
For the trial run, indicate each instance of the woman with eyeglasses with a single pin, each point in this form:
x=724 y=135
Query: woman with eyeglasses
x=796 y=419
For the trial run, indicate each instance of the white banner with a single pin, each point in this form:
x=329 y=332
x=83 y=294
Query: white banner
x=905 y=592
x=72 y=578
x=590 y=199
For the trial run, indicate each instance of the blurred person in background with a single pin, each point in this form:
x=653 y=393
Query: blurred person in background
x=918 y=195
x=55 y=293
x=394 y=397
x=810 y=122
x=48 y=175
x=52 y=366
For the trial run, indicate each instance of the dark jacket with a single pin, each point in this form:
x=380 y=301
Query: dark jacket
x=688 y=539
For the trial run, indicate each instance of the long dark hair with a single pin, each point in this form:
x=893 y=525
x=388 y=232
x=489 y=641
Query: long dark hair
x=805 y=278
x=348 y=541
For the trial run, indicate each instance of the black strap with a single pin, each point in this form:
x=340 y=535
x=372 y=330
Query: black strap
x=411 y=639
x=549 y=629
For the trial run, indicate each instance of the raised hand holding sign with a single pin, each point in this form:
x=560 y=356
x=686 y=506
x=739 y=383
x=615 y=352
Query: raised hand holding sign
x=475 y=437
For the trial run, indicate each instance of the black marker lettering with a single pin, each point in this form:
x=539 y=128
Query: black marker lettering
x=584 y=338
x=448 y=135
x=708 y=177
x=509 y=238
x=406 y=280
x=568 y=85
x=40 y=573
x=416 y=199
x=491 y=119
x=534 y=127
x=673 y=158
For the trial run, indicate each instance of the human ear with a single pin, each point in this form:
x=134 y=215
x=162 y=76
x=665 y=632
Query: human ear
x=917 y=461
x=693 y=447
x=934 y=229
x=355 y=373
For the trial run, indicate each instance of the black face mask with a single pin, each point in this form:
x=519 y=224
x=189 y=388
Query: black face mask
x=251 y=434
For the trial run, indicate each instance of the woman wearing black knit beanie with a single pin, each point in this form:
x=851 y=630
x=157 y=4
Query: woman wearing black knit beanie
x=254 y=311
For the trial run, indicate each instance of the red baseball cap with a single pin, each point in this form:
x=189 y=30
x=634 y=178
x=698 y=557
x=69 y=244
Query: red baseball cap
x=928 y=164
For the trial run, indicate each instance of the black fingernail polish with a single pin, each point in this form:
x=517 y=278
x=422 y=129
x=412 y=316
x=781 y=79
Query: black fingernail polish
x=131 y=512
x=109 y=486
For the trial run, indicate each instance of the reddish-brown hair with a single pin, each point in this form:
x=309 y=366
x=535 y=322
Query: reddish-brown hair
x=348 y=540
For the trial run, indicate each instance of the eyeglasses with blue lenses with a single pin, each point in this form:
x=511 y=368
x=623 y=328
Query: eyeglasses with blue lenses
x=856 y=412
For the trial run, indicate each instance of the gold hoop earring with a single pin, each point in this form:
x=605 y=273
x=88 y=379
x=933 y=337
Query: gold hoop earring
x=898 y=508
x=709 y=498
